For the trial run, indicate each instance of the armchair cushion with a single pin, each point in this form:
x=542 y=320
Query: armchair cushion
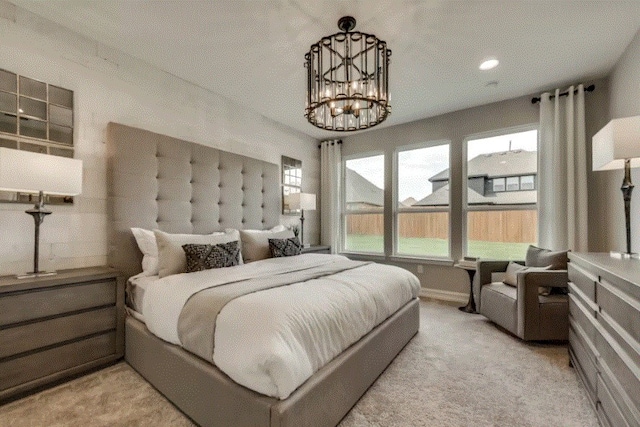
x=539 y=257
x=511 y=275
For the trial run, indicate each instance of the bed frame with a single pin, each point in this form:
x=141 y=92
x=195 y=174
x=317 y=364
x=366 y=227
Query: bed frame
x=156 y=181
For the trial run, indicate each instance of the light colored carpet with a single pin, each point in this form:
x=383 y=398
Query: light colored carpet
x=460 y=370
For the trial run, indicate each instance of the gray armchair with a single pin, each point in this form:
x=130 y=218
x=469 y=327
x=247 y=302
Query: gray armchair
x=521 y=310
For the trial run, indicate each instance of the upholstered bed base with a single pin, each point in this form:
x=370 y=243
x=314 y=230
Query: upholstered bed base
x=210 y=398
x=180 y=187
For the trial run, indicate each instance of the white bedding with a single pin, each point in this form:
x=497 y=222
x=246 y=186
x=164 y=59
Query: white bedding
x=273 y=340
x=136 y=288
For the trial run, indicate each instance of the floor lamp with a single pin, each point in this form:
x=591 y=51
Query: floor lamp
x=302 y=201
x=28 y=172
x=617 y=146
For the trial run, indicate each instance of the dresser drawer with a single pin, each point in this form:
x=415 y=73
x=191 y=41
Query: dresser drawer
x=21 y=370
x=619 y=371
x=31 y=336
x=608 y=410
x=580 y=314
x=584 y=361
x=583 y=280
x=25 y=306
x=621 y=307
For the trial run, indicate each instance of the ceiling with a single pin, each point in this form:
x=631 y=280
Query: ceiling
x=252 y=51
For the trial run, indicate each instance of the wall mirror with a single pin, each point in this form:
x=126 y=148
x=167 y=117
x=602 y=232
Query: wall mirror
x=35 y=116
x=291 y=182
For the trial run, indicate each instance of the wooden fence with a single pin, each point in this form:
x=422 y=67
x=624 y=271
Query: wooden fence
x=514 y=226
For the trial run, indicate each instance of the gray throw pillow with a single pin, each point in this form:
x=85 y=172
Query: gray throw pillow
x=539 y=257
x=255 y=243
x=285 y=247
x=204 y=257
x=511 y=276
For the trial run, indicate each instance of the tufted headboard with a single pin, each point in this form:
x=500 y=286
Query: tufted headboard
x=155 y=181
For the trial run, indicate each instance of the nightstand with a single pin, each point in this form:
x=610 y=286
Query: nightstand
x=55 y=327
x=318 y=249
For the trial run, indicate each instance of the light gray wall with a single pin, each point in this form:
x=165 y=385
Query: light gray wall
x=111 y=86
x=455 y=127
x=624 y=101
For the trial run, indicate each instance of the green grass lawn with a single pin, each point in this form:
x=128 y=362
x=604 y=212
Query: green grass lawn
x=415 y=246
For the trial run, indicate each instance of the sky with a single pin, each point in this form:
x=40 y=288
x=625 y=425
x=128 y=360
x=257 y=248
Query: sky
x=417 y=166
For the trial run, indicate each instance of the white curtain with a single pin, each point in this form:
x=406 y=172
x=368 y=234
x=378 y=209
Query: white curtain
x=562 y=171
x=330 y=192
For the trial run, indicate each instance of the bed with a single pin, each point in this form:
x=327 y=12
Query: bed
x=158 y=182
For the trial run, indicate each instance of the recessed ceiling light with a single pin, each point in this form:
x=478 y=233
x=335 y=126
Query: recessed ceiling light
x=489 y=64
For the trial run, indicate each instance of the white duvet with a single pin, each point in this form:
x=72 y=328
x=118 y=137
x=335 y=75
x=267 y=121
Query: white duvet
x=272 y=341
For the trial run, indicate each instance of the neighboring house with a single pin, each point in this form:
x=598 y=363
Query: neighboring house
x=503 y=178
x=409 y=201
x=361 y=193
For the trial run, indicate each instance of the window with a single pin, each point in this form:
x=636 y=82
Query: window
x=501 y=205
x=527 y=182
x=363 y=226
x=513 y=183
x=422 y=220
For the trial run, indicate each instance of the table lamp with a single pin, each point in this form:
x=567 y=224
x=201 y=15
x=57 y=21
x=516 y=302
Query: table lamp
x=302 y=201
x=28 y=172
x=617 y=146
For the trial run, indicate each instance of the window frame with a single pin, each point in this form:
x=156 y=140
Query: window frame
x=397 y=210
x=343 y=203
x=466 y=208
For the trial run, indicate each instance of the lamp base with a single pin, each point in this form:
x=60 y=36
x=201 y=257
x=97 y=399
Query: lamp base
x=32 y=275
x=624 y=255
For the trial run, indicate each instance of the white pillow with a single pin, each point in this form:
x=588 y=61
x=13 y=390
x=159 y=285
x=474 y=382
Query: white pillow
x=255 y=243
x=147 y=243
x=171 y=256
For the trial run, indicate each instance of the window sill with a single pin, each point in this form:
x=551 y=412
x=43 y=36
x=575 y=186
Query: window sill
x=398 y=258
x=363 y=256
x=417 y=260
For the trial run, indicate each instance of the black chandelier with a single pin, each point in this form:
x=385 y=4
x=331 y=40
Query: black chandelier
x=348 y=80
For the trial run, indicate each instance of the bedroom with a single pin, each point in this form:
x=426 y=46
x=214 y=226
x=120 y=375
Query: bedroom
x=111 y=86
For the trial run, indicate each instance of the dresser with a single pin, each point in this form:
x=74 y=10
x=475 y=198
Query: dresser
x=55 y=327
x=604 y=334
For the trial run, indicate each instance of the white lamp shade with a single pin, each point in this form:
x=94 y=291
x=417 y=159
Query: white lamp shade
x=25 y=171
x=617 y=141
x=304 y=201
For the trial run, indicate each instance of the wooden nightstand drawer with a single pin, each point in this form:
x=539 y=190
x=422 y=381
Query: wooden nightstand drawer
x=26 y=306
x=31 y=336
x=37 y=365
x=57 y=326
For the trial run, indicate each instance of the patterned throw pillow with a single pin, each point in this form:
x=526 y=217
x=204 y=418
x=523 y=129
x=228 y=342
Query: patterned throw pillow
x=205 y=257
x=285 y=247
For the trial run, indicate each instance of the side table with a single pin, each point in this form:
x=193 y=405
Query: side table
x=55 y=327
x=471 y=304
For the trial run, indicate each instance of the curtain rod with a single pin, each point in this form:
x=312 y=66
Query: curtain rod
x=332 y=142
x=589 y=88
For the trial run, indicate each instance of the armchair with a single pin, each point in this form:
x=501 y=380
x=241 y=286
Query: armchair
x=521 y=309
